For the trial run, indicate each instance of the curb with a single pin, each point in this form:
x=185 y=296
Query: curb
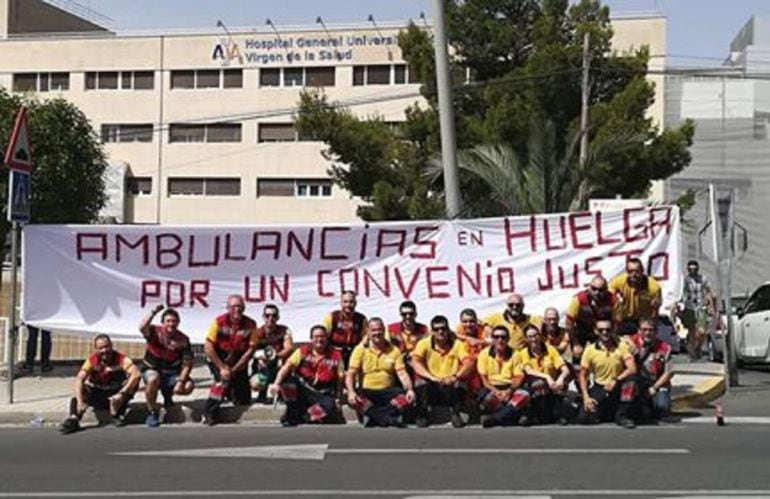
x=702 y=394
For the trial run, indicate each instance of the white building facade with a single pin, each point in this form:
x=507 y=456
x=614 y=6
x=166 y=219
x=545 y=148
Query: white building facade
x=201 y=123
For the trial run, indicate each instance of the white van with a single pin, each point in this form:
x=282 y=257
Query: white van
x=752 y=327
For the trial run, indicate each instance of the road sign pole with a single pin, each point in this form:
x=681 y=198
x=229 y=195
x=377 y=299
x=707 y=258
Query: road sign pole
x=10 y=332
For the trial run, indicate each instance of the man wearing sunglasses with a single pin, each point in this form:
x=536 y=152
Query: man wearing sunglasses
x=500 y=399
x=374 y=367
x=514 y=319
x=587 y=307
x=405 y=334
x=230 y=342
x=653 y=359
x=640 y=294
x=441 y=364
x=346 y=327
x=611 y=396
x=274 y=346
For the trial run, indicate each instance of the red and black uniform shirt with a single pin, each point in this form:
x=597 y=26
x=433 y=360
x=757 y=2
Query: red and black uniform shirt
x=167 y=352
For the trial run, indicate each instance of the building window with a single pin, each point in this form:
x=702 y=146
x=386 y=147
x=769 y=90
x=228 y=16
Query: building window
x=139 y=186
x=319 y=77
x=183 y=79
x=288 y=187
x=223 y=132
x=40 y=82
x=276 y=132
x=125 y=80
x=314 y=188
x=232 y=78
x=275 y=187
x=126 y=133
x=359 y=75
x=189 y=186
x=208 y=132
x=270 y=77
x=185 y=187
x=207 y=78
x=293 y=77
x=222 y=186
x=380 y=74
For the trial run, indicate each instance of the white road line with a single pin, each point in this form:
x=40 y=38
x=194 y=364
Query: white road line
x=730 y=420
x=508 y=451
x=317 y=452
x=404 y=492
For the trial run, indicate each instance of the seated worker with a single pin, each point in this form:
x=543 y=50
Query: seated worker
x=640 y=294
x=346 y=327
x=514 y=318
x=106 y=381
x=405 y=334
x=374 y=366
x=311 y=381
x=653 y=361
x=441 y=364
x=472 y=333
x=546 y=376
x=168 y=361
x=554 y=334
x=500 y=400
x=612 y=394
x=230 y=342
x=274 y=345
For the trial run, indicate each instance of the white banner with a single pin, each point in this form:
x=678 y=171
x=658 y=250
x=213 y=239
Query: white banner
x=103 y=278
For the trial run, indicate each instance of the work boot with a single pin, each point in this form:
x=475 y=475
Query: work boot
x=421 y=422
x=46 y=367
x=488 y=421
x=626 y=423
x=457 y=419
x=69 y=425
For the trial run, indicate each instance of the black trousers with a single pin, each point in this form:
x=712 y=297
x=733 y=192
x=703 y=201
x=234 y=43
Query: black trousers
x=430 y=394
x=382 y=407
x=611 y=406
x=304 y=404
x=237 y=390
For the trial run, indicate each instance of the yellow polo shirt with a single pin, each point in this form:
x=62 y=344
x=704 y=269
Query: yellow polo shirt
x=636 y=303
x=441 y=364
x=497 y=373
x=606 y=365
x=549 y=363
x=515 y=331
x=378 y=369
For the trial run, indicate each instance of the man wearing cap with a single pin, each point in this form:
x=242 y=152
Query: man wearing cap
x=441 y=364
x=374 y=367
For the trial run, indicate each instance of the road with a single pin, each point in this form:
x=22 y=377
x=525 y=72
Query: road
x=694 y=458
x=682 y=459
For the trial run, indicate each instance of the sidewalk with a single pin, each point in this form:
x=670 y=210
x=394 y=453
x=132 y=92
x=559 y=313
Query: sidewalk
x=43 y=400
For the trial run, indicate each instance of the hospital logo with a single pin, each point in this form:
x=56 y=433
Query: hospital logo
x=226 y=52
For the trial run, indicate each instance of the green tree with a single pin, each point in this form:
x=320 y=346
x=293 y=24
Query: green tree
x=67 y=180
x=521 y=112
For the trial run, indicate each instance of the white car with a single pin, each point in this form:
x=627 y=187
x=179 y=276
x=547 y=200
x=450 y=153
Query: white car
x=751 y=323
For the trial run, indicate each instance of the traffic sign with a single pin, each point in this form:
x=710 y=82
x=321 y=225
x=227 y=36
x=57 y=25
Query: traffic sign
x=18 y=156
x=18 y=197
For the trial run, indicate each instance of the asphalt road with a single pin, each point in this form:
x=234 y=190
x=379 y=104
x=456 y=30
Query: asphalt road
x=681 y=459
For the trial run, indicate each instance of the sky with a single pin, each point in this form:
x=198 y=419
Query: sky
x=701 y=30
